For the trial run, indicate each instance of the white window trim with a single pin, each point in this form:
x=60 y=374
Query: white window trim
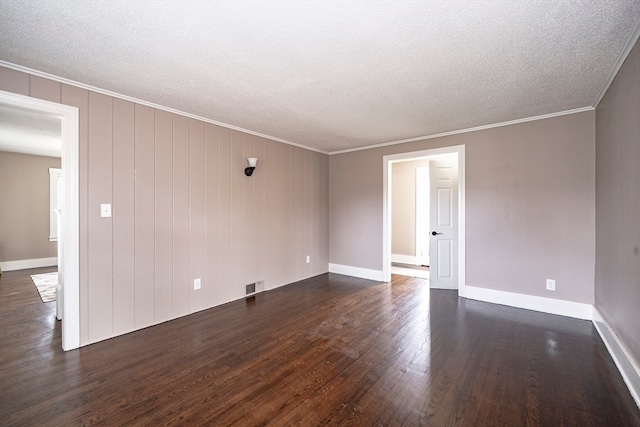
x=55 y=181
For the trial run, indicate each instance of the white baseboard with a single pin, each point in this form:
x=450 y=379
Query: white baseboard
x=28 y=263
x=363 y=273
x=405 y=259
x=628 y=368
x=446 y=287
x=530 y=302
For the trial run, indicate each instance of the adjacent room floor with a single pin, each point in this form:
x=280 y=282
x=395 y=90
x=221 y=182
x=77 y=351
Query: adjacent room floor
x=420 y=271
x=329 y=350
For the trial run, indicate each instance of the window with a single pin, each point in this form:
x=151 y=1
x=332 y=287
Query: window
x=55 y=205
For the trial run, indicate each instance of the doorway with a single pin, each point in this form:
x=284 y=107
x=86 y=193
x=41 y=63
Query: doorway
x=69 y=253
x=459 y=237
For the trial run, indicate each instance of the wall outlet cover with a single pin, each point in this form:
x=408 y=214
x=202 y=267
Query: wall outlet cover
x=551 y=285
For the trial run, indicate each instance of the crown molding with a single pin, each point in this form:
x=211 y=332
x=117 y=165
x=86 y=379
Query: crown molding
x=150 y=104
x=284 y=141
x=473 y=129
x=614 y=71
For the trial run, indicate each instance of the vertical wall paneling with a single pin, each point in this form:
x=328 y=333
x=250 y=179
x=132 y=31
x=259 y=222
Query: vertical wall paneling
x=294 y=186
x=182 y=208
x=324 y=215
x=319 y=215
x=292 y=226
x=282 y=212
x=237 y=205
x=100 y=267
x=276 y=203
x=14 y=81
x=297 y=220
x=225 y=214
x=304 y=213
x=79 y=98
x=42 y=88
x=163 y=210
x=315 y=215
x=308 y=227
x=268 y=255
x=322 y=261
x=258 y=214
x=287 y=245
x=144 y=135
x=324 y=209
x=248 y=236
x=181 y=283
x=211 y=237
x=292 y=231
x=301 y=181
x=196 y=213
x=123 y=217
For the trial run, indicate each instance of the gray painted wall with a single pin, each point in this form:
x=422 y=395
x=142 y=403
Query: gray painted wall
x=530 y=206
x=617 y=288
x=24 y=207
x=403 y=209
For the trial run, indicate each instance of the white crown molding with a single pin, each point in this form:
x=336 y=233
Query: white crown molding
x=473 y=129
x=612 y=75
x=614 y=71
x=626 y=365
x=150 y=104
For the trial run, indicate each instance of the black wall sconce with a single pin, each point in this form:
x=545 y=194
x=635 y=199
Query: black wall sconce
x=252 y=165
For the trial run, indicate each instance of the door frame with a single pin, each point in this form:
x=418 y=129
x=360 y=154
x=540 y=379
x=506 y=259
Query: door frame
x=70 y=229
x=387 y=162
x=422 y=189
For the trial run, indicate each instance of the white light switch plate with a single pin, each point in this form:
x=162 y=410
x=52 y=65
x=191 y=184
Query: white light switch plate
x=105 y=210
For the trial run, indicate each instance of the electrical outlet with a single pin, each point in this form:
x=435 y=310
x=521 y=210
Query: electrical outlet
x=308 y=259
x=197 y=284
x=551 y=285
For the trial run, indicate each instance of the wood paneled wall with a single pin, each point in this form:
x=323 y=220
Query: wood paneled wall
x=182 y=209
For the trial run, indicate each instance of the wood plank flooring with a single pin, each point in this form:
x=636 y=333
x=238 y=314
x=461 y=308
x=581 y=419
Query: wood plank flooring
x=330 y=350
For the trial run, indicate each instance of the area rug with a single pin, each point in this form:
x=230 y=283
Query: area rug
x=46 y=284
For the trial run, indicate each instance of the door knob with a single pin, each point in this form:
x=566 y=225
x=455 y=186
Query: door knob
x=433 y=233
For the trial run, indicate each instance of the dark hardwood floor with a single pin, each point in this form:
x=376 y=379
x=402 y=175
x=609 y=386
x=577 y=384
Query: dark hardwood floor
x=330 y=350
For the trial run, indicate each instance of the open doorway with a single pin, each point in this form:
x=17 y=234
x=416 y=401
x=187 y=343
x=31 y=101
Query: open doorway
x=445 y=232
x=410 y=217
x=68 y=238
x=415 y=216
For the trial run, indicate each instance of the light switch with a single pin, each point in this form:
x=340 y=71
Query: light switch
x=105 y=210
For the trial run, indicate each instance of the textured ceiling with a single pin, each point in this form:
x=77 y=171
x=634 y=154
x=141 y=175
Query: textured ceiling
x=331 y=75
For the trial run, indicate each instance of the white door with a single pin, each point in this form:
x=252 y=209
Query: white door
x=443 y=251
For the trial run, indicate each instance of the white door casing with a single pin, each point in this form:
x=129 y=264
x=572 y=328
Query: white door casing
x=69 y=236
x=422 y=215
x=459 y=154
x=443 y=179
